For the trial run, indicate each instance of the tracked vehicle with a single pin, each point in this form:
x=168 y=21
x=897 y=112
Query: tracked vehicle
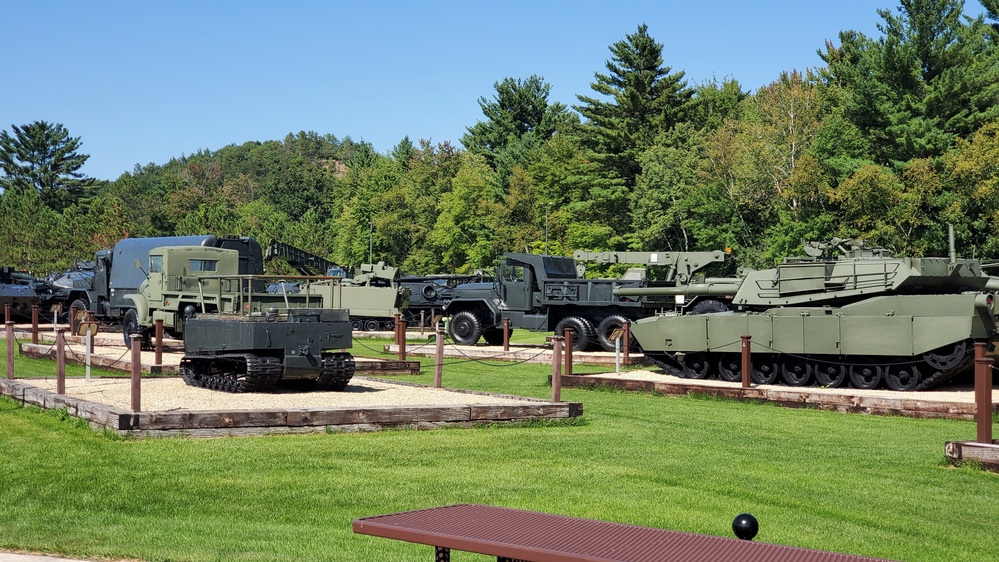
x=253 y=352
x=861 y=317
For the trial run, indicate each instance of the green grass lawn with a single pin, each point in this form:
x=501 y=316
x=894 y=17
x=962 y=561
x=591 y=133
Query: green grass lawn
x=877 y=486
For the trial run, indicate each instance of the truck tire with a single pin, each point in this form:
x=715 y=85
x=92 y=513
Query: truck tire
x=129 y=326
x=494 y=336
x=465 y=328
x=607 y=327
x=582 y=330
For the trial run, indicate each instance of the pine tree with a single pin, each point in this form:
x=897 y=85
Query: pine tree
x=42 y=156
x=645 y=99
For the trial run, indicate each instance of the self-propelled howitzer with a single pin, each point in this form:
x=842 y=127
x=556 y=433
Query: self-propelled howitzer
x=862 y=317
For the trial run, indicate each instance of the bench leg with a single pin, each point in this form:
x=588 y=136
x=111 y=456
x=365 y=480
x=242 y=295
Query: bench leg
x=442 y=554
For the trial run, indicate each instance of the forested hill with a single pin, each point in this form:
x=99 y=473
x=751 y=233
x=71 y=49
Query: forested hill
x=891 y=139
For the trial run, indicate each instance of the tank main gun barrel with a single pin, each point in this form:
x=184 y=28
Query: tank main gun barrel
x=713 y=287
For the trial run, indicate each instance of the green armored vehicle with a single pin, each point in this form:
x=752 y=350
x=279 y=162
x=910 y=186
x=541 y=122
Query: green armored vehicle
x=862 y=317
x=253 y=352
x=182 y=281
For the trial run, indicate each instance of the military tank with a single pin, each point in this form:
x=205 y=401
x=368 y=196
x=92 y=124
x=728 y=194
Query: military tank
x=845 y=314
x=252 y=353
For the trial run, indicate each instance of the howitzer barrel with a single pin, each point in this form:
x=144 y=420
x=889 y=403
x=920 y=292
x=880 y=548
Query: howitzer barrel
x=728 y=287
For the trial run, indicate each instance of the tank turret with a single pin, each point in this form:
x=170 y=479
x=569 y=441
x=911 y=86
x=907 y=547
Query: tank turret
x=846 y=313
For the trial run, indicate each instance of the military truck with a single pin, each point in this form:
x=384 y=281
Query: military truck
x=845 y=314
x=17 y=289
x=254 y=352
x=102 y=285
x=183 y=281
x=368 y=289
x=549 y=293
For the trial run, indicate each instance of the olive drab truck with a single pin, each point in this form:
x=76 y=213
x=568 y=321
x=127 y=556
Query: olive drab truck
x=545 y=293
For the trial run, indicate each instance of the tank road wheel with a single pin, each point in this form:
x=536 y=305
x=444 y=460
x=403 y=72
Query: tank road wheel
x=946 y=357
x=356 y=325
x=796 y=371
x=730 y=367
x=695 y=365
x=465 y=328
x=865 y=373
x=372 y=325
x=607 y=326
x=581 y=329
x=904 y=376
x=829 y=374
x=764 y=369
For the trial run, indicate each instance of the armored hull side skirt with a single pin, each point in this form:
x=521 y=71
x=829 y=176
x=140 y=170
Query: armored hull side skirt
x=898 y=373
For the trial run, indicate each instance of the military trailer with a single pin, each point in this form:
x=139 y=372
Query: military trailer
x=254 y=352
x=544 y=293
x=846 y=314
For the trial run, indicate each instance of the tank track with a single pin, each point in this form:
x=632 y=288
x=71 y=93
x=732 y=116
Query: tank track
x=337 y=370
x=232 y=372
x=961 y=362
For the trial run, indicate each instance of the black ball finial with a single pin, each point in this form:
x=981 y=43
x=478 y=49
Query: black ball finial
x=745 y=526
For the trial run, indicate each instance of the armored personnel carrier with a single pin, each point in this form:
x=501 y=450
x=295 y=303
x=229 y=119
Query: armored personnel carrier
x=253 y=352
x=844 y=314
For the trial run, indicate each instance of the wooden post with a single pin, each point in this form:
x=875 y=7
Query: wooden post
x=10 y=349
x=568 y=352
x=747 y=362
x=439 y=358
x=6 y=313
x=136 y=372
x=34 y=324
x=983 y=394
x=72 y=320
x=397 y=336
x=506 y=334
x=61 y=361
x=158 y=361
x=402 y=340
x=624 y=344
x=423 y=320
x=557 y=369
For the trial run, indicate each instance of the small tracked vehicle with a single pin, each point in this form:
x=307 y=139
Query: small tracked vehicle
x=862 y=318
x=254 y=352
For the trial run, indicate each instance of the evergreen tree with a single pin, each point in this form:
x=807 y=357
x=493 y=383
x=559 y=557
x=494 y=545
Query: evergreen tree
x=645 y=99
x=42 y=156
x=933 y=77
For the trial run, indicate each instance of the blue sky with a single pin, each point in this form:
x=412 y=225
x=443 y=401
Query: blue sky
x=142 y=82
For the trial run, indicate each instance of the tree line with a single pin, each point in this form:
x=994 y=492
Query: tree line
x=890 y=140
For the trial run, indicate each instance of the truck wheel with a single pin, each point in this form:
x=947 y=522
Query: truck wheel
x=607 y=327
x=494 y=336
x=465 y=328
x=129 y=326
x=582 y=331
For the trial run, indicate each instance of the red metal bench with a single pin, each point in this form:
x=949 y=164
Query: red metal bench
x=517 y=535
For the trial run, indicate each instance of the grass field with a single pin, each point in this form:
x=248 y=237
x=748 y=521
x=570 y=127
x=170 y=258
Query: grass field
x=877 y=486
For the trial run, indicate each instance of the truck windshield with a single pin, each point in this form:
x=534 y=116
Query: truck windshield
x=558 y=267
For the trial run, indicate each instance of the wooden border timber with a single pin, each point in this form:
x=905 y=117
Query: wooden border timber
x=287 y=420
x=790 y=397
x=985 y=454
